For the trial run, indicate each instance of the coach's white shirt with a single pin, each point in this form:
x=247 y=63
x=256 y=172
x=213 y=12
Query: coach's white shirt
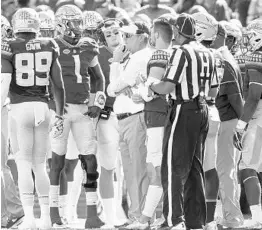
x=122 y=75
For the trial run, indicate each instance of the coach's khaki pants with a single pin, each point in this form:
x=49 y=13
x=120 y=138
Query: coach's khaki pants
x=227 y=160
x=133 y=152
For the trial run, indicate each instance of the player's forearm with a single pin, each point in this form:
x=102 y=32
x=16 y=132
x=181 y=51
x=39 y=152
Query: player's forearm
x=97 y=79
x=236 y=102
x=59 y=95
x=249 y=109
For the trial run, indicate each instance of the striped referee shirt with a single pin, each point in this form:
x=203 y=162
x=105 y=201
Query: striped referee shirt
x=192 y=69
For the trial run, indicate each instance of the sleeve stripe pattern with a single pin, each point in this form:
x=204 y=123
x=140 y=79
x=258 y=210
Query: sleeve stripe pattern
x=193 y=87
x=176 y=66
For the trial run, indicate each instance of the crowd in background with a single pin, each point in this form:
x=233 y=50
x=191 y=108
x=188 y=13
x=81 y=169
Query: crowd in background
x=244 y=10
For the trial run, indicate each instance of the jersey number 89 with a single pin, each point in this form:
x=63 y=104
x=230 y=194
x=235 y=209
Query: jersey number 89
x=29 y=65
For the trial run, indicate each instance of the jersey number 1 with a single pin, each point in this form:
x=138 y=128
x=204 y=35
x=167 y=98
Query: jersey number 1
x=29 y=65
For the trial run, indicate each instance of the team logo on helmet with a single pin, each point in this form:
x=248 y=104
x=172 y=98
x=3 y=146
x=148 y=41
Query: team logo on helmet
x=206 y=27
x=6 y=30
x=92 y=20
x=26 y=20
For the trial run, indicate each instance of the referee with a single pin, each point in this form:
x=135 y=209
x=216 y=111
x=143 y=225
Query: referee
x=187 y=81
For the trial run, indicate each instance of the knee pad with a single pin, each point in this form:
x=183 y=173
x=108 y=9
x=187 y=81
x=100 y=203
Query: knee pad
x=89 y=166
x=245 y=174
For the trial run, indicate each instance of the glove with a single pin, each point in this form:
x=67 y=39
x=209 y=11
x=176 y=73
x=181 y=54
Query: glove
x=58 y=126
x=238 y=139
x=238 y=135
x=93 y=111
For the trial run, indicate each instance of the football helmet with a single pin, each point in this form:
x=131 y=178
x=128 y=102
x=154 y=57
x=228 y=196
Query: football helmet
x=69 y=21
x=206 y=26
x=26 y=20
x=93 y=21
x=6 y=30
x=234 y=31
x=254 y=34
x=47 y=23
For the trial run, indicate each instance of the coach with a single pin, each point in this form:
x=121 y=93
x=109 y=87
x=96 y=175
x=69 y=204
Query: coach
x=130 y=115
x=187 y=80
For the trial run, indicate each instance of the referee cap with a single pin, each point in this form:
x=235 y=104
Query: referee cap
x=186 y=25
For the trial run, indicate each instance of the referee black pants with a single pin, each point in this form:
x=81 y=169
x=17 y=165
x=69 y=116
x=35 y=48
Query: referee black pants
x=181 y=171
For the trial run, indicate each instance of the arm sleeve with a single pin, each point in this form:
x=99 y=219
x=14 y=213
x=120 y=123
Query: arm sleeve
x=116 y=84
x=176 y=67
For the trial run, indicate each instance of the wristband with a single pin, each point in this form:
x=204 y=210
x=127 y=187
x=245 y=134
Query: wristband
x=241 y=125
x=98 y=99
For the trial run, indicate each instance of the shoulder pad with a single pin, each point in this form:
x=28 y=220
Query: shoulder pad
x=88 y=44
x=254 y=61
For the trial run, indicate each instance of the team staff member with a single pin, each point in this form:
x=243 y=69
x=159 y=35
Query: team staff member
x=132 y=127
x=187 y=80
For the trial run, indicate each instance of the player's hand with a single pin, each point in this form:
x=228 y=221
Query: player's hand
x=58 y=126
x=93 y=111
x=238 y=139
x=137 y=98
x=119 y=53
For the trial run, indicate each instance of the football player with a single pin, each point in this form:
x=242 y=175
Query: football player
x=30 y=62
x=155 y=116
x=77 y=55
x=247 y=137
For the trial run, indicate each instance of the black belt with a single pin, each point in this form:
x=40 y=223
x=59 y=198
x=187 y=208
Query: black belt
x=197 y=99
x=122 y=116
